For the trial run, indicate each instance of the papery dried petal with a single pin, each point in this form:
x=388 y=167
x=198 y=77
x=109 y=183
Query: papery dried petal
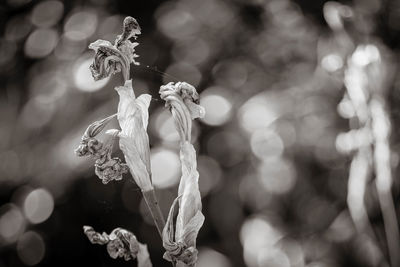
x=182 y=100
x=110 y=170
x=95 y=237
x=121 y=243
x=134 y=141
x=190 y=203
x=89 y=145
x=143 y=256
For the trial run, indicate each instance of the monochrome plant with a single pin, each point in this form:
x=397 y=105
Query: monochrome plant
x=183 y=101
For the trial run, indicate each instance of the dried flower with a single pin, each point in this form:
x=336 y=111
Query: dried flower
x=180 y=246
x=111 y=59
x=183 y=101
x=134 y=142
x=120 y=244
x=106 y=167
x=89 y=145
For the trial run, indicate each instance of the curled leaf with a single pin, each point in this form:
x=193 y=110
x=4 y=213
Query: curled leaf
x=134 y=142
x=120 y=244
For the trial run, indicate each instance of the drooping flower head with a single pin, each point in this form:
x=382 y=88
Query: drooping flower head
x=183 y=101
x=107 y=168
x=110 y=59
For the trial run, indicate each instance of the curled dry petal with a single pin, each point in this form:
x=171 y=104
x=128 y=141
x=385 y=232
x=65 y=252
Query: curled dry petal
x=89 y=145
x=95 y=237
x=182 y=248
x=110 y=59
x=182 y=99
x=134 y=142
x=121 y=244
x=106 y=167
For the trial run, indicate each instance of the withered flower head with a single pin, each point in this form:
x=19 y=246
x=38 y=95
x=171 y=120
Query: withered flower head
x=110 y=59
x=183 y=101
x=120 y=244
x=89 y=145
x=107 y=168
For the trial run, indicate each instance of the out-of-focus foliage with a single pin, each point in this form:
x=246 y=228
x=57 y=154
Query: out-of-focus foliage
x=271 y=75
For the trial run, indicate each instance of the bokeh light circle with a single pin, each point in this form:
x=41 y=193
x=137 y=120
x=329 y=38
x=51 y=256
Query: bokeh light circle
x=83 y=77
x=31 y=248
x=41 y=43
x=217 y=105
x=38 y=205
x=165 y=167
x=12 y=223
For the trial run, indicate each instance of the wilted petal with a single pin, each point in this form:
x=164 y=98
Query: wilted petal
x=110 y=170
x=143 y=256
x=120 y=243
x=182 y=99
x=192 y=229
x=89 y=145
x=190 y=203
x=134 y=141
x=95 y=237
x=108 y=60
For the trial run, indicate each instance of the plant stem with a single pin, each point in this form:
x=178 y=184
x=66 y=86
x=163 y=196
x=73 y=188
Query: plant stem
x=152 y=203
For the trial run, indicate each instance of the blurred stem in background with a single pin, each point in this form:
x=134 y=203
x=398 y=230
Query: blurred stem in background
x=365 y=79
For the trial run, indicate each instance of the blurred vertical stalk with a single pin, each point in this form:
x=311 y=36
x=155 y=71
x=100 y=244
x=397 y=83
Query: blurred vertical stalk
x=381 y=132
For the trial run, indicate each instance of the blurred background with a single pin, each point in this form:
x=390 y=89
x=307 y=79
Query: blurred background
x=297 y=154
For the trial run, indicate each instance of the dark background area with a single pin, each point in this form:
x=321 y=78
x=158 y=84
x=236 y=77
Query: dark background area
x=271 y=76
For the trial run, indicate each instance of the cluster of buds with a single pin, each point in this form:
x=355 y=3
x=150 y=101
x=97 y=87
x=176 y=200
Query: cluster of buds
x=120 y=244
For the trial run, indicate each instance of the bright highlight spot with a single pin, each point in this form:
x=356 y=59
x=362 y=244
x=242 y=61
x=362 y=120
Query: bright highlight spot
x=266 y=144
x=165 y=167
x=256 y=114
x=218 y=108
x=12 y=223
x=83 y=77
x=258 y=238
x=332 y=62
x=277 y=175
x=38 y=205
x=164 y=126
x=210 y=258
x=31 y=248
